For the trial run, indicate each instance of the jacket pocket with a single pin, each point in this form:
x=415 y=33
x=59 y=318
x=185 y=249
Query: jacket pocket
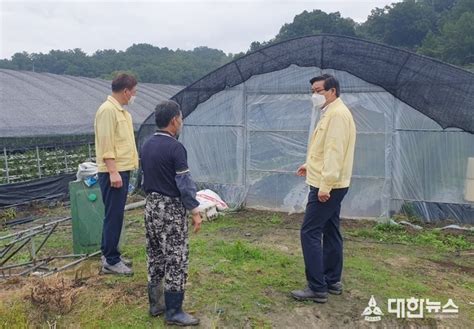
x=122 y=132
x=123 y=151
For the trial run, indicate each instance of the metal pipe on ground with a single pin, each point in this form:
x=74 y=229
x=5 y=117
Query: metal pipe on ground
x=135 y=205
x=42 y=227
x=71 y=264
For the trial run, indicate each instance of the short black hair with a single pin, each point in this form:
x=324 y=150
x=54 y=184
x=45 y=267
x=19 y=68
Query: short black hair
x=165 y=112
x=329 y=82
x=123 y=81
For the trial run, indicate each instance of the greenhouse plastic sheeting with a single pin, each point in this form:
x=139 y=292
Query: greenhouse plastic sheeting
x=257 y=139
x=246 y=141
x=440 y=91
x=44 y=104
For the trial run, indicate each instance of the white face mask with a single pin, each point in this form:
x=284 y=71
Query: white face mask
x=131 y=100
x=318 y=100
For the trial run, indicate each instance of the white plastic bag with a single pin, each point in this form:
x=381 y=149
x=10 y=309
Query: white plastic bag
x=208 y=197
x=209 y=203
x=85 y=170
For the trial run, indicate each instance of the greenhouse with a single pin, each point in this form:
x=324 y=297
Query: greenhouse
x=247 y=126
x=47 y=129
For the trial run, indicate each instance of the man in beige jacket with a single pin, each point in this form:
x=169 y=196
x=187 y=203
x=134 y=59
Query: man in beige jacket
x=116 y=156
x=328 y=171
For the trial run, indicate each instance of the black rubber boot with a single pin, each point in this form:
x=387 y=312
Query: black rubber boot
x=155 y=297
x=174 y=310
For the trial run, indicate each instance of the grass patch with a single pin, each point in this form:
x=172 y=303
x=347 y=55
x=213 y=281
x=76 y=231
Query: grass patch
x=13 y=314
x=234 y=277
x=428 y=237
x=369 y=273
x=243 y=266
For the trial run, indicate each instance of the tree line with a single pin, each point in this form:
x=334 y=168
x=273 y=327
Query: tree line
x=147 y=62
x=443 y=29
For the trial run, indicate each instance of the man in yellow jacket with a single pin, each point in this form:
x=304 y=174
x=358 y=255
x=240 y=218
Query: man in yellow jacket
x=116 y=156
x=328 y=171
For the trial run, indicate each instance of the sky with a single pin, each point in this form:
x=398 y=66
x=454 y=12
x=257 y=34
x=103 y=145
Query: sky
x=38 y=26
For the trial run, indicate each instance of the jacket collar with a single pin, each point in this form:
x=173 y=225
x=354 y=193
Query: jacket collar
x=332 y=105
x=163 y=133
x=116 y=103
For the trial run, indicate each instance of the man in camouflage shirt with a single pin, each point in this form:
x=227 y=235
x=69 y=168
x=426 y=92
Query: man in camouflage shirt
x=171 y=192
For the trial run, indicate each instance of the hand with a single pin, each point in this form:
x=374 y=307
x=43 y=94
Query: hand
x=197 y=220
x=115 y=180
x=323 y=196
x=301 y=171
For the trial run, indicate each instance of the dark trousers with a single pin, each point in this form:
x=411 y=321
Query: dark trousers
x=114 y=202
x=321 y=240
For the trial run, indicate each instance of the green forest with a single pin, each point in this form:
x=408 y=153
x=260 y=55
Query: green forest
x=442 y=29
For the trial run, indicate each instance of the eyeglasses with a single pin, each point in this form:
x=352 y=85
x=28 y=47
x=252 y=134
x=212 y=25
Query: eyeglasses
x=319 y=91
